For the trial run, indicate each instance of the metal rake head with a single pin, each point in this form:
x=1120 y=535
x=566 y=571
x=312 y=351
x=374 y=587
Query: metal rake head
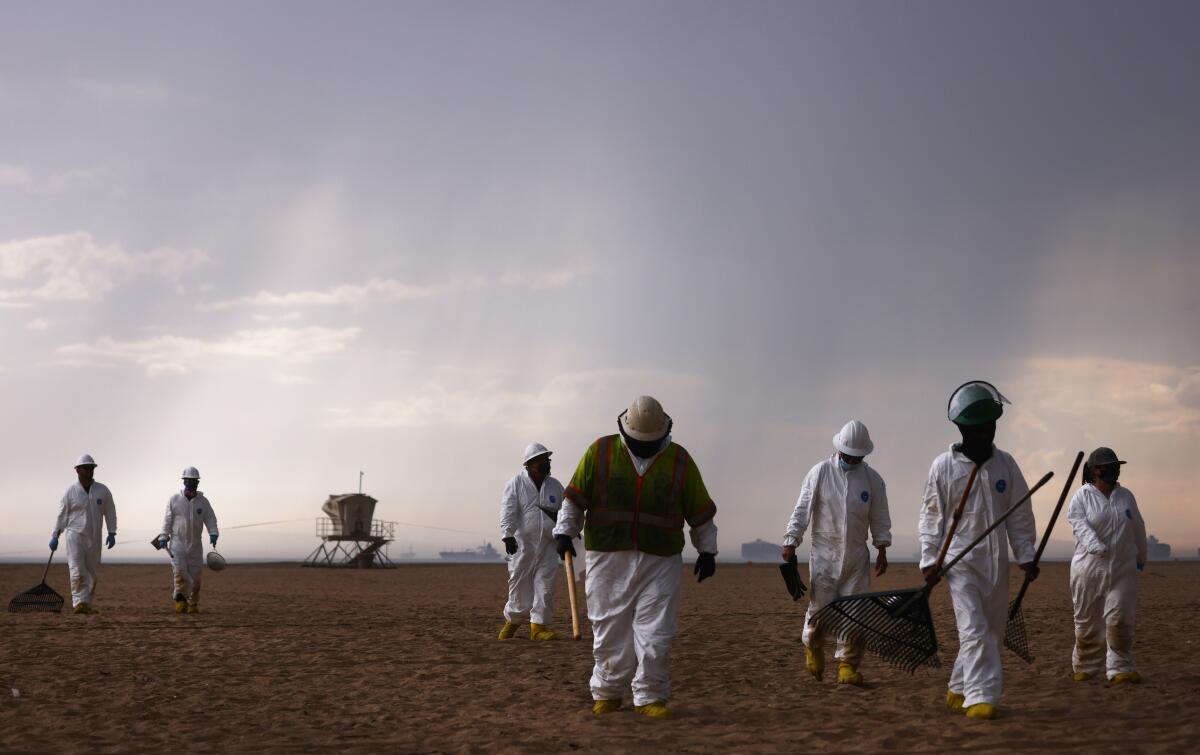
x=1015 y=638
x=38 y=599
x=896 y=626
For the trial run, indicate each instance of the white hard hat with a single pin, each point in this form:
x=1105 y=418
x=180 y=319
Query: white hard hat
x=191 y=473
x=533 y=450
x=645 y=419
x=854 y=440
x=86 y=461
x=215 y=561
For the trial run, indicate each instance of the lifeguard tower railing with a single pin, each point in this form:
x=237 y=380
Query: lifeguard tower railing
x=361 y=548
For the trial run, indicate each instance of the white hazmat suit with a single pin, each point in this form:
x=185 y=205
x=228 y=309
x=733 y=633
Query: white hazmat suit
x=978 y=583
x=80 y=513
x=528 y=514
x=1110 y=542
x=840 y=506
x=633 y=607
x=184 y=523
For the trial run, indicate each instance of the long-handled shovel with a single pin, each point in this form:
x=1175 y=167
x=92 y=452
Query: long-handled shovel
x=897 y=625
x=1015 y=638
x=40 y=597
x=569 y=562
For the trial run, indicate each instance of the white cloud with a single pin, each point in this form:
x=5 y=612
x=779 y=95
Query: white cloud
x=389 y=290
x=121 y=92
x=292 y=379
x=282 y=317
x=1146 y=397
x=74 y=267
x=14 y=175
x=38 y=324
x=175 y=355
x=490 y=403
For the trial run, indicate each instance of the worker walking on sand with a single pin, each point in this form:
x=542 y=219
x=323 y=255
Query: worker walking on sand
x=1110 y=549
x=188 y=514
x=631 y=494
x=80 y=512
x=528 y=509
x=842 y=497
x=978 y=583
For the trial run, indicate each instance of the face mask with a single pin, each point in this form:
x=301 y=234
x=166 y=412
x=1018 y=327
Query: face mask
x=189 y=488
x=844 y=466
x=643 y=449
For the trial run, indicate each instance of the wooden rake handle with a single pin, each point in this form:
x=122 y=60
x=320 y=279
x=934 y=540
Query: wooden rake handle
x=569 y=563
x=1016 y=606
x=956 y=517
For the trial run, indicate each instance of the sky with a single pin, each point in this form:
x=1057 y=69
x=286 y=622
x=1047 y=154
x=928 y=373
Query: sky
x=286 y=242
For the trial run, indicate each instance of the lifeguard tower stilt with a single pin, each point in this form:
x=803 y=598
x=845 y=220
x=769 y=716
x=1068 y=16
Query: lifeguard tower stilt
x=350 y=538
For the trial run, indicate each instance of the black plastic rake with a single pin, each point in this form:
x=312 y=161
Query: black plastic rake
x=1015 y=638
x=41 y=598
x=897 y=625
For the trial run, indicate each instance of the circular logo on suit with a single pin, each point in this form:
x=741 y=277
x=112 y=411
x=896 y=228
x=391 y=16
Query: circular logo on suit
x=1001 y=486
x=865 y=496
x=99 y=501
x=199 y=511
x=1128 y=514
x=551 y=499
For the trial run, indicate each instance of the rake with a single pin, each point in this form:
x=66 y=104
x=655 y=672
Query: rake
x=40 y=598
x=897 y=625
x=1015 y=638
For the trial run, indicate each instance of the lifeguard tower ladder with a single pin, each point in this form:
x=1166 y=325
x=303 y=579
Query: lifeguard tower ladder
x=350 y=538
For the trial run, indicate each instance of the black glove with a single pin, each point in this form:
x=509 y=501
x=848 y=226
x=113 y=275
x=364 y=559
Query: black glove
x=706 y=566
x=510 y=545
x=563 y=544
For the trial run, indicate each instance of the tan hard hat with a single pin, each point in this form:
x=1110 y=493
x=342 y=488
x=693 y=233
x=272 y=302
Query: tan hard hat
x=645 y=419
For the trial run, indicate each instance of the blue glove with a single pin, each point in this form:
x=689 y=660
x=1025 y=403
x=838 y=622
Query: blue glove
x=112 y=539
x=53 y=543
x=162 y=542
x=212 y=540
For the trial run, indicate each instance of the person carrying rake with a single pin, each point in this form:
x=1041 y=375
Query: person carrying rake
x=979 y=583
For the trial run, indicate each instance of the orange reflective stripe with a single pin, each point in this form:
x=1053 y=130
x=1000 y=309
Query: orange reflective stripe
x=603 y=453
x=703 y=515
x=576 y=496
x=681 y=460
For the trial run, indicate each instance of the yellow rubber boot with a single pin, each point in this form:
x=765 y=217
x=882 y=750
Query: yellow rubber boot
x=181 y=606
x=86 y=609
x=1081 y=676
x=654 y=710
x=982 y=711
x=847 y=674
x=193 y=608
x=508 y=630
x=955 y=700
x=600 y=707
x=815 y=661
x=540 y=632
x=1128 y=677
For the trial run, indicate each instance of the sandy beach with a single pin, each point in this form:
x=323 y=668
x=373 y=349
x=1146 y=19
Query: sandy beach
x=286 y=659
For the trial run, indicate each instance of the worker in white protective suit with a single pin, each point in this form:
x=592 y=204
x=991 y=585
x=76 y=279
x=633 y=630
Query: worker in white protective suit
x=1110 y=549
x=841 y=498
x=188 y=514
x=83 y=507
x=528 y=510
x=978 y=583
x=631 y=494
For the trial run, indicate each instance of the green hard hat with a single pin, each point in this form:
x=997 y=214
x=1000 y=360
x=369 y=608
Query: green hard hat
x=975 y=402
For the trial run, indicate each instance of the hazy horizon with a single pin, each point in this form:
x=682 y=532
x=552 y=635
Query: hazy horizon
x=288 y=241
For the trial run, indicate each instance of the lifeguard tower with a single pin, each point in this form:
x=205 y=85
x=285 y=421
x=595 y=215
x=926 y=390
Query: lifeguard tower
x=350 y=538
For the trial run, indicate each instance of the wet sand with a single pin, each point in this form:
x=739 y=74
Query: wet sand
x=286 y=659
